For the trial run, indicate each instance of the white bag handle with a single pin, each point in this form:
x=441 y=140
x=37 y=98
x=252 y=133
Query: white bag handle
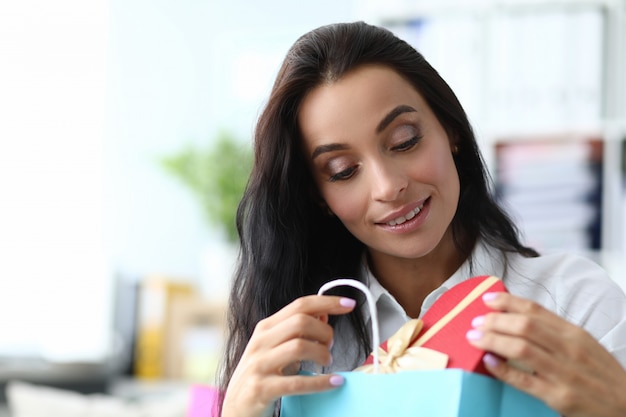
x=370 y=303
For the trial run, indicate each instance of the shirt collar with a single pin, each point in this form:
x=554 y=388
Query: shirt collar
x=482 y=261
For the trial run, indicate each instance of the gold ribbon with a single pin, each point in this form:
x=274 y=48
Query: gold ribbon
x=449 y=316
x=402 y=357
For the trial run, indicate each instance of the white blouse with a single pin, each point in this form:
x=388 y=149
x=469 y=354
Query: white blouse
x=571 y=286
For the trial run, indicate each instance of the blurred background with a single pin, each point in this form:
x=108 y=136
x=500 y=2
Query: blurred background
x=125 y=133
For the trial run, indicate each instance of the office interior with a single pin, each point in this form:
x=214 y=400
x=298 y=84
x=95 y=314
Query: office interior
x=113 y=279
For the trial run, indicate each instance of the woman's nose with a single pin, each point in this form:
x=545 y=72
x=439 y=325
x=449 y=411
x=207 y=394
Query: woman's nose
x=387 y=181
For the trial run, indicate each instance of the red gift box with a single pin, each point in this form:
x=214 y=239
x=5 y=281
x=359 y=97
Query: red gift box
x=446 y=323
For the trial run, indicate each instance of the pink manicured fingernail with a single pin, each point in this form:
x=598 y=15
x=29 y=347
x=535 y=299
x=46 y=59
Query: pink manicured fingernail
x=347 y=302
x=478 y=321
x=336 y=380
x=491 y=360
x=490 y=296
x=474 y=334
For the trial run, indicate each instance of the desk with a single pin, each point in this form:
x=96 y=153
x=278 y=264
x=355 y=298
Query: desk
x=126 y=397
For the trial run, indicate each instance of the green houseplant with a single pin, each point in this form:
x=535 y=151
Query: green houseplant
x=217 y=175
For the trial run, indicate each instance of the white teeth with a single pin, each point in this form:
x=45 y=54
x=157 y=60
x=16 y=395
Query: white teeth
x=406 y=217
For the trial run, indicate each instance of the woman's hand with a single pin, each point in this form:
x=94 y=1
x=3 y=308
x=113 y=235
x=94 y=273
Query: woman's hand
x=571 y=371
x=269 y=365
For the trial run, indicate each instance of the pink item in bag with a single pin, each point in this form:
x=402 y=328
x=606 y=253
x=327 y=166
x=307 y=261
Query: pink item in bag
x=203 y=401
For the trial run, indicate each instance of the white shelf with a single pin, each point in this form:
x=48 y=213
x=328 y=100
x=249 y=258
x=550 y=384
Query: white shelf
x=532 y=69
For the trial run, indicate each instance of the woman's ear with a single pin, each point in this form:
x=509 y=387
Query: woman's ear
x=454 y=142
x=327 y=210
x=320 y=202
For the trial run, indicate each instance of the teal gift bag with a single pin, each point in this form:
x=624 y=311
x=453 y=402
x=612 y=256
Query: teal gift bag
x=444 y=393
x=432 y=393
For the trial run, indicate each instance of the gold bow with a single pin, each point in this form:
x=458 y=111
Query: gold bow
x=402 y=357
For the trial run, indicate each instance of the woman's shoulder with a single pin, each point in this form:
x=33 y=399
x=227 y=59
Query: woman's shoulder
x=572 y=285
x=560 y=264
x=551 y=268
x=561 y=272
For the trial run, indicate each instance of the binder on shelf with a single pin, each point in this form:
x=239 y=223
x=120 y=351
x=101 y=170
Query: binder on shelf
x=157 y=294
x=196 y=336
x=552 y=187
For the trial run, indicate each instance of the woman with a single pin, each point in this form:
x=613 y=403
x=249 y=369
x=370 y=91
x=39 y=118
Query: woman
x=366 y=166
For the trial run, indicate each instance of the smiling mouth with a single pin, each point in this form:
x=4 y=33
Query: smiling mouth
x=406 y=217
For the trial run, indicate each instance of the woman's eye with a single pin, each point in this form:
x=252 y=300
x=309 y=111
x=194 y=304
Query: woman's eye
x=405 y=146
x=343 y=175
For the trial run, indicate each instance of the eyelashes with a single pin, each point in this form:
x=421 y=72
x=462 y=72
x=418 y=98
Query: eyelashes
x=343 y=175
x=405 y=146
x=347 y=173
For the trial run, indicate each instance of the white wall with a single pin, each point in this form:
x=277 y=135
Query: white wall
x=178 y=73
x=93 y=94
x=54 y=281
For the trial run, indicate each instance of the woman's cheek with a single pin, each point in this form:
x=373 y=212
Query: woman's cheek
x=347 y=202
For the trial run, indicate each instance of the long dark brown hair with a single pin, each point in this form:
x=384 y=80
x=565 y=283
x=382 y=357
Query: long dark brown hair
x=289 y=246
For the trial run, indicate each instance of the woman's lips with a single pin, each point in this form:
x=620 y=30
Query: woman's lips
x=409 y=221
x=397 y=219
x=408 y=216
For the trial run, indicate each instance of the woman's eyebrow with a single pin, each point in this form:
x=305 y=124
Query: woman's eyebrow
x=328 y=148
x=397 y=111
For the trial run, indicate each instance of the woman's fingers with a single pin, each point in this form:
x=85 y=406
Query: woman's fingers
x=572 y=392
x=278 y=360
x=305 y=318
x=534 y=329
x=255 y=396
x=271 y=373
x=524 y=331
x=506 y=302
x=267 y=369
x=560 y=363
x=319 y=306
x=523 y=380
x=527 y=355
x=299 y=331
x=298 y=326
x=306 y=384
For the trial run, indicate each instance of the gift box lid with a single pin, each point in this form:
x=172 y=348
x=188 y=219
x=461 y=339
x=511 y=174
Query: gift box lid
x=446 y=323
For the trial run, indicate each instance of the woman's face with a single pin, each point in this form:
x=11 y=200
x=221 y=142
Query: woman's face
x=381 y=160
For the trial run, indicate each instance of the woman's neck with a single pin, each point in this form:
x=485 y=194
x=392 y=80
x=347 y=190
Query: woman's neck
x=411 y=280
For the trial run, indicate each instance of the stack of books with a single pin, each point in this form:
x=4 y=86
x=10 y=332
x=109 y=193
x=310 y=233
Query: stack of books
x=552 y=187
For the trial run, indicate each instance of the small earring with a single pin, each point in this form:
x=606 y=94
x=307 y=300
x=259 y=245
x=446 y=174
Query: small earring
x=455 y=149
